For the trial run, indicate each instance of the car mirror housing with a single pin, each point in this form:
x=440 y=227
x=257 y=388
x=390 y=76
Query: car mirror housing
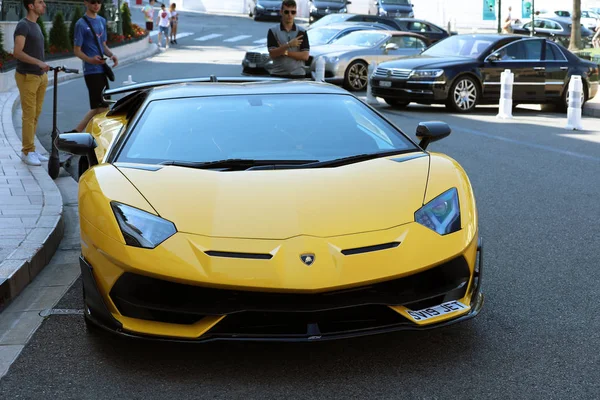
x=432 y=131
x=80 y=144
x=391 y=46
x=494 y=57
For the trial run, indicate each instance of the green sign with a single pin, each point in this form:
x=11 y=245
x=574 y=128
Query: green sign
x=489 y=10
x=526 y=8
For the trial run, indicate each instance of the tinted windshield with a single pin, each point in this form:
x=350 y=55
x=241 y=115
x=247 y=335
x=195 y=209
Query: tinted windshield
x=320 y=36
x=259 y=127
x=361 y=39
x=396 y=2
x=462 y=46
x=330 y=19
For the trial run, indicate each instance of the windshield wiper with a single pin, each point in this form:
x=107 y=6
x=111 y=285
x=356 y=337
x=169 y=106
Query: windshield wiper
x=356 y=158
x=235 y=163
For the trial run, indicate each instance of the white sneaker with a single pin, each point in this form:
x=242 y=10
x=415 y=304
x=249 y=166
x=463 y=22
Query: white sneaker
x=30 y=159
x=41 y=157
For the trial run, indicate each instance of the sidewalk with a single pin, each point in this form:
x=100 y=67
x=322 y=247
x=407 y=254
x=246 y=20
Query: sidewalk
x=31 y=206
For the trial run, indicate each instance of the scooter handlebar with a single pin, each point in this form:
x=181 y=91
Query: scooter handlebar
x=65 y=69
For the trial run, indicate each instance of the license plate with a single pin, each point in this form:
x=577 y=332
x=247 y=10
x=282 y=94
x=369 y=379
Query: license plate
x=274 y=14
x=251 y=65
x=385 y=83
x=436 y=311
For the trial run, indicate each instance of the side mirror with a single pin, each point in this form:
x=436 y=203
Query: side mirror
x=391 y=46
x=348 y=2
x=376 y=3
x=431 y=131
x=494 y=57
x=80 y=144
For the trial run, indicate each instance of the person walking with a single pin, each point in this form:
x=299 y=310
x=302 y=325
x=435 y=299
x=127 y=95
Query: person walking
x=164 y=20
x=507 y=27
x=90 y=46
x=148 y=11
x=31 y=76
x=174 y=21
x=288 y=45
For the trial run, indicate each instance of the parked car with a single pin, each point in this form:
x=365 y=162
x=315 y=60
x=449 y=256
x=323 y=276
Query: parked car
x=240 y=225
x=431 y=31
x=391 y=8
x=265 y=9
x=555 y=28
x=589 y=17
x=258 y=62
x=347 y=59
x=463 y=71
x=320 y=8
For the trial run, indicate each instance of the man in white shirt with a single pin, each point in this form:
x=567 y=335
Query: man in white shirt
x=164 y=20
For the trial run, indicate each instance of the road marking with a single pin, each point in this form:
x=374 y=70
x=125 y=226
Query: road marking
x=183 y=34
x=60 y=311
x=237 y=38
x=260 y=41
x=208 y=37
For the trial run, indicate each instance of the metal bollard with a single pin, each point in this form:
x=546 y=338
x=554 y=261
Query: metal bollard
x=370 y=98
x=129 y=81
x=320 y=70
x=574 y=106
x=506 y=90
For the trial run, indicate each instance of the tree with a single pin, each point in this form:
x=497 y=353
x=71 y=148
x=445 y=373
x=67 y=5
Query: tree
x=40 y=22
x=59 y=36
x=77 y=14
x=575 y=43
x=126 y=21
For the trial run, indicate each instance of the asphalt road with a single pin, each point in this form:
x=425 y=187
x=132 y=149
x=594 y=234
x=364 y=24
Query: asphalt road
x=536 y=186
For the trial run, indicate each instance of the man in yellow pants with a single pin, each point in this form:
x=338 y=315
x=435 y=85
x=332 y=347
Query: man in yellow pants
x=31 y=76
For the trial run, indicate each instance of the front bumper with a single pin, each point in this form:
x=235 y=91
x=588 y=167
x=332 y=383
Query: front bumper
x=410 y=90
x=256 y=63
x=278 y=318
x=267 y=13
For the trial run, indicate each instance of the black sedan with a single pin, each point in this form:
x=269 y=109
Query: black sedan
x=556 y=28
x=464 y=70
x=425 y=28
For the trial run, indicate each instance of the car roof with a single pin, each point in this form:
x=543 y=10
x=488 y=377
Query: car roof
x=349 y=24
x=258 y=87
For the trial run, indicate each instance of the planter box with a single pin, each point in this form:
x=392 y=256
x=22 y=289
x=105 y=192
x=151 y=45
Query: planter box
x=7 y=79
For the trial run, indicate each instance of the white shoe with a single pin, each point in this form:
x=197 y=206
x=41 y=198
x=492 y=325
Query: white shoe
x=41 y=157
x=30 y=159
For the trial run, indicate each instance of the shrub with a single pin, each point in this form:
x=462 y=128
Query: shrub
x=40 y=22
x=76 y=16
x=2 y=51
x=59 y=37
x=128 y=31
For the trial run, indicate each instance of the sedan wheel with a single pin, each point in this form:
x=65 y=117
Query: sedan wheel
x=356 y=76
x=463 y=95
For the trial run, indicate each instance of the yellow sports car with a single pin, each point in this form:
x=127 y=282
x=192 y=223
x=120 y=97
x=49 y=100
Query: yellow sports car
x=266 y=209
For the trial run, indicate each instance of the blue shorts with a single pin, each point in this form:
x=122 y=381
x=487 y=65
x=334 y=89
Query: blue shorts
x=164 y=29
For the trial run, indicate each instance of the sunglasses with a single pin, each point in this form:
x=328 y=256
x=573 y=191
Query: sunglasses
x=287 y=12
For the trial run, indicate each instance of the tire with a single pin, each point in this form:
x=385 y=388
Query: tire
x=464 y=95
x=356 y=76
x=396 y=103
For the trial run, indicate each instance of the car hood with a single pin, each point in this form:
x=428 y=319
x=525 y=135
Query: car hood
x=322 y=202
x=332 y=5
x=423 y=61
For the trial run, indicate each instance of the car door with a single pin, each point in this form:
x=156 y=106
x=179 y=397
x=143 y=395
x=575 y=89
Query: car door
x=405 y=46
x=524 y=59
x=557 y=70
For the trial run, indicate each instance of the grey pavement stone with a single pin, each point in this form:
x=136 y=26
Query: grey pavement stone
x=35 y=199
x=20 y=212
x=25 y=251
x=52 y=210
x=11 y=223
x=16 y=200
x=38 y=235
x=15 y=192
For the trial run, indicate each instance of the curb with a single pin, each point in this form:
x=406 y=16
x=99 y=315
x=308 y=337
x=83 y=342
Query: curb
x=40 y=244
x=591 y=111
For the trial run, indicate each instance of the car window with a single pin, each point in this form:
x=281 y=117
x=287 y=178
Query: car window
x=527 y=25
x=459 y=45
x=319 y=36
x=552 y=25
x=259 y=127
x=553 y=53
x=362 y=39
x=408 y=42
x=523 y=50
x=330 y=19
x=418 y=27
x=562 y=13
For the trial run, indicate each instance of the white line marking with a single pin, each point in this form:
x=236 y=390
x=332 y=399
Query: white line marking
x=183 y=34
x=237 y=38
x=208 y=37
x=261 y=41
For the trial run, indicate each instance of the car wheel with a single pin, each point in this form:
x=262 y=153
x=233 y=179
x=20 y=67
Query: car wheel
x=356 y=76
x=565 y=98
x=463 y=95
x=396 y=103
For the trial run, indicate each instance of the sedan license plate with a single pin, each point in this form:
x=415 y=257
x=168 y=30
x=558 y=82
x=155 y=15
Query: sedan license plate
x=436 y=311
x=274 y=14
x=385 y=83
x=251 y=65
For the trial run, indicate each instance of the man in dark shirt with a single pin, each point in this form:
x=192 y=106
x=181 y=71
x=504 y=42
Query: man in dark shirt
x=288 y=44
x=31 y=76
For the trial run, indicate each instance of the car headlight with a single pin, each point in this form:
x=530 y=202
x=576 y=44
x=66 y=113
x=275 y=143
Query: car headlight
x=382 y=11
x=260 y=7
x=331 y=59
x=441 y=214
x=344 y=10
x=140 y=228
x=427 y=73
x=411 y=14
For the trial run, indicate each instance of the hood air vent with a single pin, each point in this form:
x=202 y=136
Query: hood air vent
x=367 y=249
x=229 y=254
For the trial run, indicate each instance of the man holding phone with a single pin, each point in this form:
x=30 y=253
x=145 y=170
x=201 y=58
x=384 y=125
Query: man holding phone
x=288 y=45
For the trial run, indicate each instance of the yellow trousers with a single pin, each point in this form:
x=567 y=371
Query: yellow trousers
x=32 y=89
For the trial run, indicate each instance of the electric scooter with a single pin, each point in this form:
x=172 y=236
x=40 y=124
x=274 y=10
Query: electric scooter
x=54 y=161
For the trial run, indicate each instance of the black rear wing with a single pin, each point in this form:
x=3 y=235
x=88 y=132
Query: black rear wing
x=212 y=78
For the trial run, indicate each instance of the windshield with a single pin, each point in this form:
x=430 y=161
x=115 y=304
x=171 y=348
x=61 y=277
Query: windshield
x=330 y=19
x=462 y=46
x=319 y=36
x=259 y=127
x=361 y=39
x=396 y=2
